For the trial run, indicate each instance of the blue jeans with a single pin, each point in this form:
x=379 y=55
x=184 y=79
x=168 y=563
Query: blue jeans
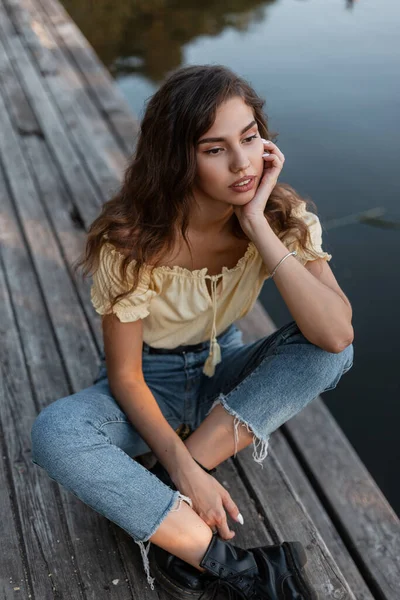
x=86 y=443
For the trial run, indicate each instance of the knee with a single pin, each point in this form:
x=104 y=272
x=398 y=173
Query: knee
x=343 y=360
x=348 y=356
x=337 y=364
x=52 y=429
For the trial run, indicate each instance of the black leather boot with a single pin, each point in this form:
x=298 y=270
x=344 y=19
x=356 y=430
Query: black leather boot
x=179 y=578
x=265 y=573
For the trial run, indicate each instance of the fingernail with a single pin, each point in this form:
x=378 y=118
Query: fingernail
x=240 y=519
x=266 y=153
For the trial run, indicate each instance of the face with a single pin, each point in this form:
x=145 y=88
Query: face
x=230 y=150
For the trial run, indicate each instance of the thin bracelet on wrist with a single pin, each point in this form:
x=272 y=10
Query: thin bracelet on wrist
x=209 y=471
x=294 y=253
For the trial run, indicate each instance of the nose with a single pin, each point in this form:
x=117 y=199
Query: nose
x=240 y=161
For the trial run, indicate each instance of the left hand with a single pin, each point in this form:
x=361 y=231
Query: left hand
x=253 y=212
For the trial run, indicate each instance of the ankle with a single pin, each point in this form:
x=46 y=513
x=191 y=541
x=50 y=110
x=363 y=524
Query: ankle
x=222 y=558
x=184 y=534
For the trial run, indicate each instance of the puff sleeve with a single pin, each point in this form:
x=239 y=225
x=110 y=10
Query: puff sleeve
x=107 y=284
x=314 y=227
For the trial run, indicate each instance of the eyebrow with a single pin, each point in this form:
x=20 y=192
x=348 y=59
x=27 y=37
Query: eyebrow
x=220 y=139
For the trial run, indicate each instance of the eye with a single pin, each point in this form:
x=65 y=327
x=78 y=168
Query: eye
x=249 y=139
x=213 y=151
x=216 y=151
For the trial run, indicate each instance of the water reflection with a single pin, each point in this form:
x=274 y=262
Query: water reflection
x=147 y=37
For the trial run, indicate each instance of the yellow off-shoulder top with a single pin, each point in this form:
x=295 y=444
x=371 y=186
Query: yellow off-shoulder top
x=174 y=302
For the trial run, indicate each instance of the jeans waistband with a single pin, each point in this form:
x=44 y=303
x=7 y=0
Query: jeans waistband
x=182 y=349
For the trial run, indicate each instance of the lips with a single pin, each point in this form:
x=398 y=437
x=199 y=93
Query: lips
x=248 y=179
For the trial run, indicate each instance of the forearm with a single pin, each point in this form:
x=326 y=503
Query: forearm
x=322 y=315
x=142 y=410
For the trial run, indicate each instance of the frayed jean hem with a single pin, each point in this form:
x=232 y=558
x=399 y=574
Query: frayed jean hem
x=260 y=443
x=174 y=505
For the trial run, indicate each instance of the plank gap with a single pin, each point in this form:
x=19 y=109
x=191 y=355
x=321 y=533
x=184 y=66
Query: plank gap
x=14 y=505
x=337 y=523
x=257 y=503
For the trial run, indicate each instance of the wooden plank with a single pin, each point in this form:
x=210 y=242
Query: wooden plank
x=367 y=522
x=20 y=109
x=77 y=181
x=317 y=513
x=37 y=508
x=98 y=80
x=57 y=202
x=60 y=210
x=70 y=326
x=13 y=574
x=361 y=513
x=86 y=127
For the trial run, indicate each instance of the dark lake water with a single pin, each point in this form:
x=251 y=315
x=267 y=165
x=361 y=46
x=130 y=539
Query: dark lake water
x=329 y=71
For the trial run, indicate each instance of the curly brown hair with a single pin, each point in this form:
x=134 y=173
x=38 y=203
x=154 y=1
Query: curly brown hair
x=155 y=198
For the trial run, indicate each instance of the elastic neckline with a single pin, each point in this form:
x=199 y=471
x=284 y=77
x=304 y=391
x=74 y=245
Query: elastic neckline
x=183 y=271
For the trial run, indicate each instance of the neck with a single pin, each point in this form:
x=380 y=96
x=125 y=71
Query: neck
x=213 y=218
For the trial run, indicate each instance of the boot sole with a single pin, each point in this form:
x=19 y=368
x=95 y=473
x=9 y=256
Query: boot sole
x=297 y=559
x=170 y=586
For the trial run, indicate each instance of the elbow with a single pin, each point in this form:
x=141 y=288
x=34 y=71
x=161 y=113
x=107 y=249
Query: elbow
x=338 y=344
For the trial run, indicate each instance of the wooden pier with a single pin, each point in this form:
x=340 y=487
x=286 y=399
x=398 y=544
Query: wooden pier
x=65 y=136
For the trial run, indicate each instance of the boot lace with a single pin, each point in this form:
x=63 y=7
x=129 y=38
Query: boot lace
x=228 y=585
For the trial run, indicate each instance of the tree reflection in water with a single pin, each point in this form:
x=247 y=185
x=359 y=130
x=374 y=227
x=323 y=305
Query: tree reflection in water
x=146 y=37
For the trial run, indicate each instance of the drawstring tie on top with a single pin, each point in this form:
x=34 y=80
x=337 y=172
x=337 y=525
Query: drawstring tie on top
x=214 y=356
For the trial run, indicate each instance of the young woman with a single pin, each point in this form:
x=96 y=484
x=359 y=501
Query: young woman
x=177 y=256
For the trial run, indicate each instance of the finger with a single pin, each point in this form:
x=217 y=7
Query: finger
x=272 y=162
x=273 y=148
x=270 y=157
x=232 y=508
x=271 y=172
x=223 y=529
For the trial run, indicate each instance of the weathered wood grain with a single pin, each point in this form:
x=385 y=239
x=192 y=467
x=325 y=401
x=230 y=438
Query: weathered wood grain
x=19 y=107
x=59 y=210
x=368 y=524
x=70 y=326
x=101 y=85
x=86 y=126
x=13 y=575
x=76 y=178
x=36 y=503
x=316 y=511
